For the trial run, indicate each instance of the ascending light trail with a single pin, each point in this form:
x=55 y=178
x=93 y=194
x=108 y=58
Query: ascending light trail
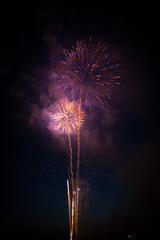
x=77 y=175
x=71 y=159
x=69 y=209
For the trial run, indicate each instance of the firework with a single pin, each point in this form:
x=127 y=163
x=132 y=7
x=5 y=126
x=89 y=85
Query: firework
x=89 y=73
x=65 y=116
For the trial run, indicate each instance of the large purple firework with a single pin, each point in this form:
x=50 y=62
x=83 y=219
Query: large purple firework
x=88 y=73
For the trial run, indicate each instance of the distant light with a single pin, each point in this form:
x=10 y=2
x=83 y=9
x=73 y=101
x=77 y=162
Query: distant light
x=129 y=236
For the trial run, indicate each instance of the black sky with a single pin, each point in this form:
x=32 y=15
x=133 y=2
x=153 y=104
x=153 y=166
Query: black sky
x=120 y=150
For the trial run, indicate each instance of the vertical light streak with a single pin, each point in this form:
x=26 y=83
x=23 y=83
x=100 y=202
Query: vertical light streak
x=77 y=174
x=71 y=159
x=71 y=198
x=69 y=209
x=73 y=207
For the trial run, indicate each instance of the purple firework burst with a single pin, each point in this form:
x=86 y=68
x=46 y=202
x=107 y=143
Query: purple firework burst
x=88 y=73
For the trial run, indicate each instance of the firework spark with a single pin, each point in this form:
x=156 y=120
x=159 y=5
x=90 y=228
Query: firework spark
x=69 y=209
x=65 y=116
x=89 y=73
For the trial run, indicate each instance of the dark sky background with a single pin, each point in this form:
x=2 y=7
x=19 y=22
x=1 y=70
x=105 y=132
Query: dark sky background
x=120 y=143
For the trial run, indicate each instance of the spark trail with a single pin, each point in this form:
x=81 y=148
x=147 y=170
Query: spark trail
x=69 y=210
x=77 y=177
x=71 y=159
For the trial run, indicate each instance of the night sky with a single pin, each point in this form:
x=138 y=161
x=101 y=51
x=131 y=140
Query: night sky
x=119 y=168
